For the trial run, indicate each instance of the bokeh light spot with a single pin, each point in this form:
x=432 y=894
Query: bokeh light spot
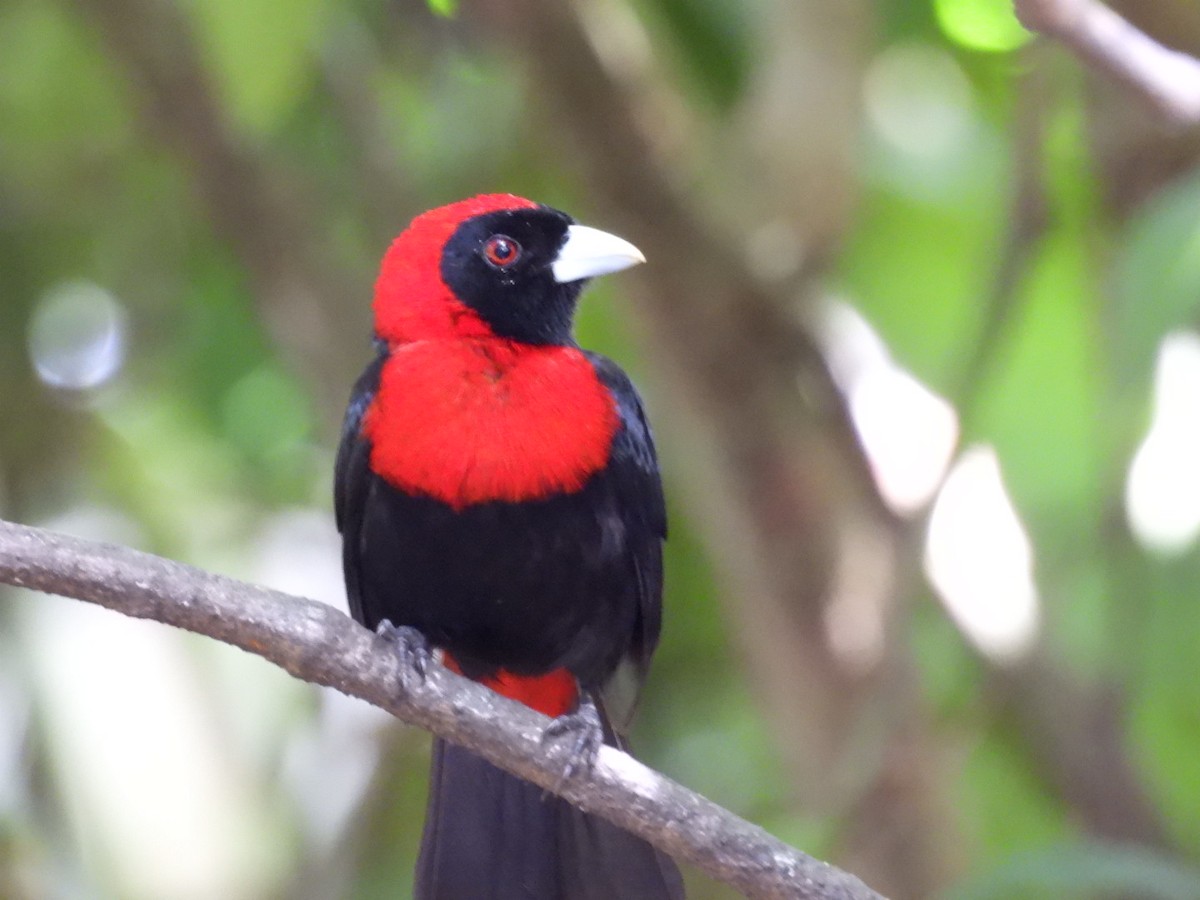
x=77 y=336
x=980 y=560
x=908 y=432
x=1162 y=492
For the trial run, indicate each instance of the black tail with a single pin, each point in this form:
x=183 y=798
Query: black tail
x=491 y=836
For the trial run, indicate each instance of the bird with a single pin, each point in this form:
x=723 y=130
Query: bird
x=498 y=494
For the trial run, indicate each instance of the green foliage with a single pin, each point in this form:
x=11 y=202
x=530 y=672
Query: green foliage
x=444 y=8
x=61 y=95
x=1165 y=695
x=1011 y=810
x=927 y=320
x=987 y=25
x=1157 y=280
x=713 y=38
x=1085 y=870
x=214 y=443
x=1047 y=383
x=261 y=55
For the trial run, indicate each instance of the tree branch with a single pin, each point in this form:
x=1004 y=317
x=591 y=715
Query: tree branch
x=1168 y=79
x=317 y=643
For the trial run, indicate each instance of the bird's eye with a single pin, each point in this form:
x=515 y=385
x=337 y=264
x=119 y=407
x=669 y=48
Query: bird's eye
x=501 y=251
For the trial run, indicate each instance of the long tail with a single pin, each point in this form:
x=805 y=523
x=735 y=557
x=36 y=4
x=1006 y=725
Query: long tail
x=492 y=836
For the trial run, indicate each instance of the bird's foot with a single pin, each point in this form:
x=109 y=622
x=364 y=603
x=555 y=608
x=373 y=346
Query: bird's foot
x=412 y=649
x=585 y=730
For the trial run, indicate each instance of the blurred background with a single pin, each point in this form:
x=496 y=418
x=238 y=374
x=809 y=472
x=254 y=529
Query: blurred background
x=919 y=336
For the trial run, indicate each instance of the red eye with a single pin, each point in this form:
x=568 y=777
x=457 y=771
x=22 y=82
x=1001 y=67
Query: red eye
x=501 y=251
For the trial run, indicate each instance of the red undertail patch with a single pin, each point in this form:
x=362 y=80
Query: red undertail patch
x=552 y=694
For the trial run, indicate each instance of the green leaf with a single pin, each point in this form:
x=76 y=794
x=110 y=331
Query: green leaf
x=987 y=25
x=444 y=8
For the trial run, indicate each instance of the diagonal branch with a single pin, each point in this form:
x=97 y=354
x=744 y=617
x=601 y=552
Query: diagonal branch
x=1168 y=79
x=317 y=643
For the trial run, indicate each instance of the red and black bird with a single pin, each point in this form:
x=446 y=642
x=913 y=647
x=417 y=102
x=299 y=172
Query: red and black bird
x=499 y=500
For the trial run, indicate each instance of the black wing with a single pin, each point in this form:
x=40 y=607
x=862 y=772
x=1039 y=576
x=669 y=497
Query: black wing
x=634 y=465
x=352 y=480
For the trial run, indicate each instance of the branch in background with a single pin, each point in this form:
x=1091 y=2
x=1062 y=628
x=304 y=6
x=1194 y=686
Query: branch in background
x=1075 y=737
x=789 y=501
x=350 y=70
x=317 y=643
x=1027 y=224
x=782 y=463
x=737 y=353
x=254 y=205
x=1168 y=79
x=1071 y=731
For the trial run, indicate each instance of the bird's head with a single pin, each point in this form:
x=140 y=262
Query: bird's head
x=491 y=266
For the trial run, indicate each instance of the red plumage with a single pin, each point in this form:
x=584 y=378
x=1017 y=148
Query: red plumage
x=477 y=420
x=412 y=301
x=552 y=694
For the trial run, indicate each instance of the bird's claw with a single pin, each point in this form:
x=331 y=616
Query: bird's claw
x=412 y=649
x=586 y=729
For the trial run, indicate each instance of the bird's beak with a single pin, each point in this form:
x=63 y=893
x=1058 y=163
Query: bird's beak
x=588 y=252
